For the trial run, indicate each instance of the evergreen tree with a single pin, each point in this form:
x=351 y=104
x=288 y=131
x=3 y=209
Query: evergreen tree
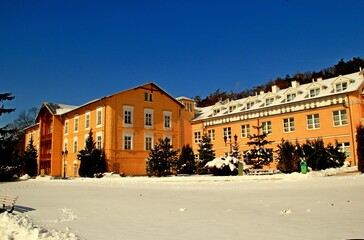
x=9 y=156
x=235 y=151
x=206 y=154
x=360 y=148
x=259 y=155
x=186 y=161
x=162 y=159
x=288 y=157
x=30 y=159
x=93 y=160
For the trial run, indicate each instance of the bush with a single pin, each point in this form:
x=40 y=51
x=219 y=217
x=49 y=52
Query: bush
x=223 y=166
x=186 y=161
x=288 y=157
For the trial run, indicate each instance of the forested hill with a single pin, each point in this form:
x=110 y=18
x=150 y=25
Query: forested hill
x=341 y=68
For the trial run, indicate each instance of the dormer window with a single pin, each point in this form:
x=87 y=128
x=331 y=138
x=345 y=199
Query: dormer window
x=216 y=111
x=290 y=97
x=314 y=92
x=249 y=105
x=342 y=86
x=269 y=101
x=232 y=108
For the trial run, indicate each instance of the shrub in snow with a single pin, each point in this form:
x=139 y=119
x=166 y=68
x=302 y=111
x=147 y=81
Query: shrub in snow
x=186 y=161
x=223 y=166
x=92 y=159
x=29 y=159
x=206 y=154
x=162 y=159
x=360 y=148
x=259 y=155
x=288 y=159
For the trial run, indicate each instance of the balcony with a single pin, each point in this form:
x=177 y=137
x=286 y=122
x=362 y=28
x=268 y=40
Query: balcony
x=46 y=137
x=45 y=156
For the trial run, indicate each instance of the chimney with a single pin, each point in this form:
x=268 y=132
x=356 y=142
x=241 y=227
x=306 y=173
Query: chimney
x=295 y=84
x=261 y=92
x=319 y=79
x=275 y=89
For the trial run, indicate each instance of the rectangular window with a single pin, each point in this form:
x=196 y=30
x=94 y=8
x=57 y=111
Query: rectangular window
x=313 y=121
x=341 y=86
x=314 y=92
x=216 y=111
x=288 y=125
x=87 y=120
x=249 y=105
x=227 y=132
x=197 y=137
x=148 y=118
x=169 y=136
x=66 y=126
x=76 y=124
x=98 y=117
x=148 y=140
x=232 y=108
x=98 y=140
x=345 y=147
x=167 y=120
x=148 y=97
x=290 y=97
x=245 y=130
x=267 y=127
x=127 y=140
x=211 y=134
x=269 y=101
x=75 y=145
x=340 y=118
x=128 y=112
x=65 y=145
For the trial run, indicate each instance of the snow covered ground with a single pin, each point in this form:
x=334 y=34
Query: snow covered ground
x=292 y=206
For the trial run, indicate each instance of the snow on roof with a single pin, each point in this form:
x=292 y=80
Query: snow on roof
x=327 y=88
x=184 y=98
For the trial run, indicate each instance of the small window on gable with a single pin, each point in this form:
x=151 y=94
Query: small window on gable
x=216 y=111
x=249 y=105
x=232 y=108
x=269 y=101
x=342 y=86
x=148 y=97
x=290 y=97
x=314 y=92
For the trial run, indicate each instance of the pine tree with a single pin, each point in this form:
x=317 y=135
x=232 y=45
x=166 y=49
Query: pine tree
x=9 y=161
x=288 y=157
x=235 y=151
x=360 y=148
x=93 y=160
x=162 y=159
x=30 y=159
x=186 y=161
x=259 y=155
x=206 y=154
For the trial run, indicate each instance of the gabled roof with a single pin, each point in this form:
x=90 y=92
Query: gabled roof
x=56 y=108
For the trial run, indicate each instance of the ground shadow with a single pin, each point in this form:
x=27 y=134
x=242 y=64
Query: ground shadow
x=22 y=209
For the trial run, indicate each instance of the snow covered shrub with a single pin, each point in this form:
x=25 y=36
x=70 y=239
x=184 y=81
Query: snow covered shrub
x=360 y=148
x=29 y=158
x=186 y=161
x=288 y=157
x=206 y=154
x=223 y=166
x=319 y=157
x=162 y=159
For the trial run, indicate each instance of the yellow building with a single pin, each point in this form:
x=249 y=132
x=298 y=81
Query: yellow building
x=127 y=124
x=331 y=109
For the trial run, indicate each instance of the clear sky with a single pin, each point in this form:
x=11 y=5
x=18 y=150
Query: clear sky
x=74 y=51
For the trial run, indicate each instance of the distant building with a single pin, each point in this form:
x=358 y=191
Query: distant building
x=128 y=124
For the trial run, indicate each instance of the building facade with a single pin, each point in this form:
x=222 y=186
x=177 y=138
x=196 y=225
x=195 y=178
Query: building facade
x=128 y=124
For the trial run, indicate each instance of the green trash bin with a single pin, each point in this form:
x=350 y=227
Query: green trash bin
x=303 y=167
x=240 y=168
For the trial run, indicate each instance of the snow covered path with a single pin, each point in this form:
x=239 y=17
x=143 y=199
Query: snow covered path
x=261 y=207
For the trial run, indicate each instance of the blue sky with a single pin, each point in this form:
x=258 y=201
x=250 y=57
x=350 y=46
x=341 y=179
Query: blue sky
x=74 y=51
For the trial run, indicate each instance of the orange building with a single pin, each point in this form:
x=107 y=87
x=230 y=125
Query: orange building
x=127 y=124
x=331 y=109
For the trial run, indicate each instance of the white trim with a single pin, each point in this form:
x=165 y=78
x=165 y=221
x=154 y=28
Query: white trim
x=99 y=117
x=148 y=111
x=169 y=115
x=128 y=108
x=131 y=135
x=149 y=135
x=87 y=114
x=99 y=134
x=76 y=119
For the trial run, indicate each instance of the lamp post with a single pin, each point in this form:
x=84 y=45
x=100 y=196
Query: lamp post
x=64 y=155
x=230 y=143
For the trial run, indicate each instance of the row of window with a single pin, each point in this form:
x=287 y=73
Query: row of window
x=127 y=143
x=312 y=121
x=128 y=119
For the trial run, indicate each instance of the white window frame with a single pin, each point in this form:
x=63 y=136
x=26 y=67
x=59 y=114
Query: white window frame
x=290 y=97
x=128 y=110
x=75 y=144
x=245 y=130
x=211 y=134
x=345 y=147
x=146 y=136
x=226 y=132
x=314 y=92
x=149 y=112
x=170 y=137
x=197 y=137
x=75 y=166
x=167 y=120
x=87 y=120
x=313 y=121
x=249 y=105
x=267 y=127
x=232 y=108
x=65 y=144
x=288 y=125
x=128 y=134
x=99 y=140
x=340 y=118
x=148 y=97
x=269 y=101
x=76 y=123
x=99 y=117
x=66 y=126
x=341 y=86
x=84 y=142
